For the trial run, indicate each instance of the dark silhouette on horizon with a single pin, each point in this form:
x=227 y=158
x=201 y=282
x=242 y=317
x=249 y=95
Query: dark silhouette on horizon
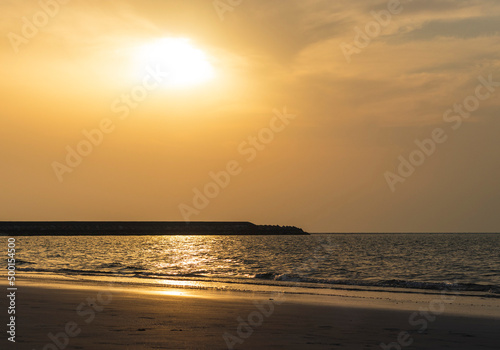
x=138 y=228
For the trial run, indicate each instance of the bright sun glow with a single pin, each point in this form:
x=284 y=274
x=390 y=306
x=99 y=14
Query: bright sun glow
x=185 y=64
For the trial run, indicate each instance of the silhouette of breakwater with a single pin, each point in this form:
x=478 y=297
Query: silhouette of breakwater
x=133 y=228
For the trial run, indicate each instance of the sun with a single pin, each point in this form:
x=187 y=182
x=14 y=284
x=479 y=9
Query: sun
x=183 y=63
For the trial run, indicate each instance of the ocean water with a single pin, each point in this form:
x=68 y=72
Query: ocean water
x=318 y=263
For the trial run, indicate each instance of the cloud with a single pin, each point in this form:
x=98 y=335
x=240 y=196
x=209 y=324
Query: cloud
x=459 y=28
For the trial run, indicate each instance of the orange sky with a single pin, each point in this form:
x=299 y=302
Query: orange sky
x=334 y=95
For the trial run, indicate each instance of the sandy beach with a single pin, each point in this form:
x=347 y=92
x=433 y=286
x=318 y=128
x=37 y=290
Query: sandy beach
x=62 y=316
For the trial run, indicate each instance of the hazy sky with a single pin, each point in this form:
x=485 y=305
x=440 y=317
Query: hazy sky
x=358 y=95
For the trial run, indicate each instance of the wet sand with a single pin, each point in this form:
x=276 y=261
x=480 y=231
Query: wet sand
x=59 y=316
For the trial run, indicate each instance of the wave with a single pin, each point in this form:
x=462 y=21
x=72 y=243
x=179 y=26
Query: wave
x=124 y=271
x=110 y=265
x=24 y=262
x=285 y=280
x=394 y=283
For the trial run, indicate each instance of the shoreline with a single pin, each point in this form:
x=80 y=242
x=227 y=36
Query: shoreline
x=169 y=318
x=252 y=284
x=455 y=302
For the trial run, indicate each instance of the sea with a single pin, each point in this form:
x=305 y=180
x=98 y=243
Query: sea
x=314 y=264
